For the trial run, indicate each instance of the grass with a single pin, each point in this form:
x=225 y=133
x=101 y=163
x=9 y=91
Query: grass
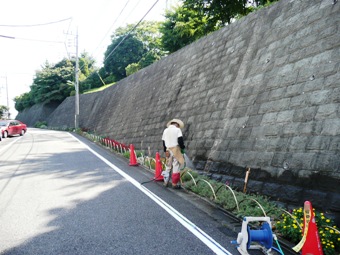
x=98 y=89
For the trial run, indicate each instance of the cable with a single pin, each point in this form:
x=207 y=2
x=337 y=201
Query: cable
x=112 y=25
x=8 y=37
x=36 y=25
x=130 y=31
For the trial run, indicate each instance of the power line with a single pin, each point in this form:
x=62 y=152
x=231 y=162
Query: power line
x=28 y=39
x=36 y=25
x=8 y=37
x=130 y=31
x=112 y=25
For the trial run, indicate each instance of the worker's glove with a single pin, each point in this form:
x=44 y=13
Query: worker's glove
x=182 y=151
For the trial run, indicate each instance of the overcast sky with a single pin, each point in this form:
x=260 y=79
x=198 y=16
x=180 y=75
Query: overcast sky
x=34 y=43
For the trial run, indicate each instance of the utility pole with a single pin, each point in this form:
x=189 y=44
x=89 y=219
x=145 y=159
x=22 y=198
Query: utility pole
x=76 y=116
x=6 y=84
x=7 y=98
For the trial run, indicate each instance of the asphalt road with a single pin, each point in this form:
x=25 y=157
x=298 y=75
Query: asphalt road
x=62 y=194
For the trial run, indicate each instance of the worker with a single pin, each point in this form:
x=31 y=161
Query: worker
x=173 y=145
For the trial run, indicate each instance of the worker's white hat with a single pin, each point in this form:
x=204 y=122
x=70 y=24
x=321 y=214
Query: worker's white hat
x=179 y=122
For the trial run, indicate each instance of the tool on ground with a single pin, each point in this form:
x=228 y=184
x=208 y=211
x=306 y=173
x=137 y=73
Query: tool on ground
x=260 y=239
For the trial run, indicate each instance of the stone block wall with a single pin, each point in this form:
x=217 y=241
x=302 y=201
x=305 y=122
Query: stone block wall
x=263 y=93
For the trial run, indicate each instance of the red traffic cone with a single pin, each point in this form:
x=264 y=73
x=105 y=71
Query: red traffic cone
x=312 y=244
x=133 y=158
x=158 y=168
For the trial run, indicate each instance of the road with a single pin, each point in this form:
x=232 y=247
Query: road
x=63 y=194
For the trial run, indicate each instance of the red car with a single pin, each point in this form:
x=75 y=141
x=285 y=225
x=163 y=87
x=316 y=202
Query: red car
x=12 y=127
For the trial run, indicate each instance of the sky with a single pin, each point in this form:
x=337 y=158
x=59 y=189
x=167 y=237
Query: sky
x=33 y=32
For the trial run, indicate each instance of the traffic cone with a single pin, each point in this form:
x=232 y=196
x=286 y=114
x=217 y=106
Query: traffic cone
x=158 y=168
x=312 y=244
x=133 y=158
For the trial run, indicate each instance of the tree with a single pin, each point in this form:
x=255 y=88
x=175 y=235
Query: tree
x=222 y=12
x=134 y=45
x=182 y=27
x=51 y=83
x=3 y=110
x=23 y=101
x=55 y=82
x=124 y=50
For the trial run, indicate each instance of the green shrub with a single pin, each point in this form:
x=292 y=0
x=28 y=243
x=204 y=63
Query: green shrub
x=40 y=124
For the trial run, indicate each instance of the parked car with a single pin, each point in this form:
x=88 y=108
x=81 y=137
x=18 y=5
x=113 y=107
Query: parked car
x=12 y=127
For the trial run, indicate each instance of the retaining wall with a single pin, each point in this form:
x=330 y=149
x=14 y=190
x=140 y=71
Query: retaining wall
x=262 y=93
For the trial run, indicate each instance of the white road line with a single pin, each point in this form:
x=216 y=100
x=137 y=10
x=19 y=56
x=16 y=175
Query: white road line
x=7 y=145
x=205 y=238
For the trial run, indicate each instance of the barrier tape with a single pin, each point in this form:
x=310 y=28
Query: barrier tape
x=307 y=216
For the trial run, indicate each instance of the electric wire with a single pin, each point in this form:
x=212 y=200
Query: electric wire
x=36 y=25
x=130 y=31
x=112 y=25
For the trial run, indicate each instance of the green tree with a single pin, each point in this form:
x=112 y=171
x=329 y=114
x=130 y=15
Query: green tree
x=3 y=110
x=23 y=101
x=146 y=41
x=222 y=12
x=181 y=27
x=124 y=50
x=51 y=83
x=55 y=82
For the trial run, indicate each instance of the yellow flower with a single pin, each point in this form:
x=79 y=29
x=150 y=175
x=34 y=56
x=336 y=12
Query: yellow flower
x=332 y=246
x=284 y=226
x=322 y=217
x=331 y=231
x=328 y=220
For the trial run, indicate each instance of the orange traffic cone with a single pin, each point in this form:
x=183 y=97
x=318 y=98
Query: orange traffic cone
x=310 y=242
x=313 y=243
x=158 y=168
x=133 y=158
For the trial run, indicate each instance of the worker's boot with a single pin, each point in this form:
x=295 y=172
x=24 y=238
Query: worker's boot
x=166 y=177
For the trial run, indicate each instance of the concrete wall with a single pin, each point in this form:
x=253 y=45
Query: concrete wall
x=38 y=112
x=262 y=93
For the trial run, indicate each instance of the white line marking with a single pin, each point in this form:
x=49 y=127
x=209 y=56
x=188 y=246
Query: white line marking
x=205 y=238
x=7 y=145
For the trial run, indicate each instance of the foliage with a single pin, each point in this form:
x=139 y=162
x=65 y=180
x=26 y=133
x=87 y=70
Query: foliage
x=51 y=83
x=40 y=124
x=221 y=12
x=54 y=82
x=138 y=46
x=182 y=27
x=123 y=51
x=244 y=205
x=132 y=68
x=98 y=89
x=290 y=227
x=3 y=109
